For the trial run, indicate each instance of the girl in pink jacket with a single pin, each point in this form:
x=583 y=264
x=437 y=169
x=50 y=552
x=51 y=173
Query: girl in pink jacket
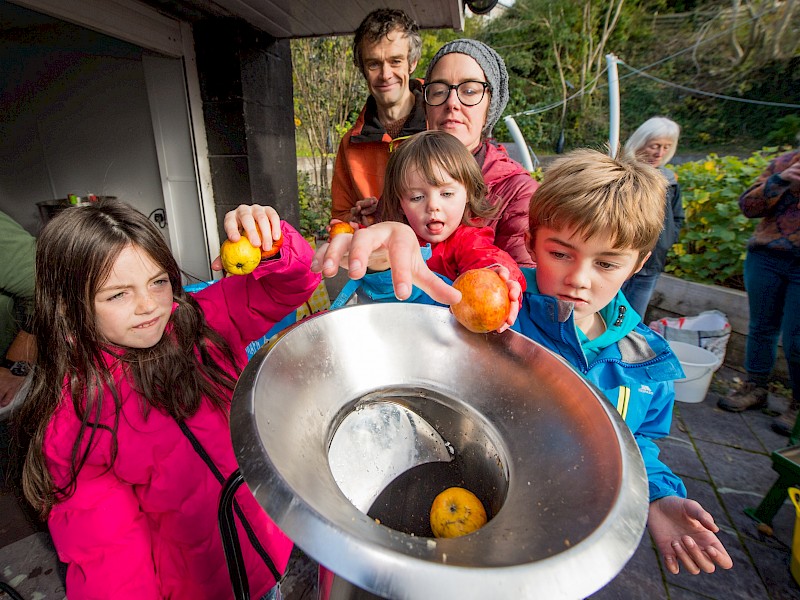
x=126 y=358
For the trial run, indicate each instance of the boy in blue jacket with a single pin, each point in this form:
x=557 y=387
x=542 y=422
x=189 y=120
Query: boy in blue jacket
x=593 y=222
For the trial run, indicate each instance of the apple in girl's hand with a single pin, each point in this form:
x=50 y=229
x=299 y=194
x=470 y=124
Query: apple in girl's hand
x=276 y=246
x=240 y=257
x=484 y=305
x=340 y=227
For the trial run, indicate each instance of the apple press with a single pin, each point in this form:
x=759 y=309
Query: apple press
x=331 y=422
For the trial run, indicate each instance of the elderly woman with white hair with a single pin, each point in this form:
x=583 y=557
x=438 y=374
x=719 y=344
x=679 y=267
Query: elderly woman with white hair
x=655 y=142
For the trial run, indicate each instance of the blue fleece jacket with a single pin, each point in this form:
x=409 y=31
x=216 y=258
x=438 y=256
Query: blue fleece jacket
x=631 y=364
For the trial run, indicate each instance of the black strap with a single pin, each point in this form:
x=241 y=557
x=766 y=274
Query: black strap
x=251 y=535
x=12 y=593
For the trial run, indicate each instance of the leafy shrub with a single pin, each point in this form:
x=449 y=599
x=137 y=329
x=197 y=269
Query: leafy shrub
x=315 y=209
x=713 y=242
x=785 y=131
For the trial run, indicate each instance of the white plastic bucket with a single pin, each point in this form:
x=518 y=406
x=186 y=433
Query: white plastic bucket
x=698 y=365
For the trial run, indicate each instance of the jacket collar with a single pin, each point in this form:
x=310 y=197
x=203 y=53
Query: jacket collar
x=626 y=333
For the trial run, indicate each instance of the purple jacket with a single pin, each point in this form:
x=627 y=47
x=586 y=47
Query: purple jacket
x=144 y=526
x=777 y=203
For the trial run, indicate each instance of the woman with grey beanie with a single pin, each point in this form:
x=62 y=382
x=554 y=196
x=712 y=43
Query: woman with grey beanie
x=466 y=91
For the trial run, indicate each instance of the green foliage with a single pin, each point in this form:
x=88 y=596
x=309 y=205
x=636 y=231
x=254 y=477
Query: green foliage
x=552 y=52
x=713 y=242
x=327 y=90
x=786 y=131
x=315 y=208
x=762 y=62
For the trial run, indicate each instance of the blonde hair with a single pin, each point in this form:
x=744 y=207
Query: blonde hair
x=595 y=194
x=654 y=127
x=431 y=153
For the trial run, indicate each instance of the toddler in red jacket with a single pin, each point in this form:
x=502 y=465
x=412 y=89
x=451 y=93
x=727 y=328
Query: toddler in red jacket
x=434 y=186
x=125 y=433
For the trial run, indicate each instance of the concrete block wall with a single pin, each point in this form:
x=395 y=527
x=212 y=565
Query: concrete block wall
x=246 y=88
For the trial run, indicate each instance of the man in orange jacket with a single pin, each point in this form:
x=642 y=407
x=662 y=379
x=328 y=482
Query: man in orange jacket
x=386 y=49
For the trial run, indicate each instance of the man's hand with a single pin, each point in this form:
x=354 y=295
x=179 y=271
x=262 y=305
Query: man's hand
x=363 y=212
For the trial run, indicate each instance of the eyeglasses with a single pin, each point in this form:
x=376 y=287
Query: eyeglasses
x=469 y=93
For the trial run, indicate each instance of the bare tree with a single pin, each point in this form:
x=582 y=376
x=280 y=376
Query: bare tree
x=759 y=31
x=327 y=87
x=583 y=54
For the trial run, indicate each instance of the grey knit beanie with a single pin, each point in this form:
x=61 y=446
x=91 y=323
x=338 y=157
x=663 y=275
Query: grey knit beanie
x=493 y=68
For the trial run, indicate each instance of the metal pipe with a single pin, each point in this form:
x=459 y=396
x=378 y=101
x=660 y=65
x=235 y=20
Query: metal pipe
x=519 y=140
x=613 y=105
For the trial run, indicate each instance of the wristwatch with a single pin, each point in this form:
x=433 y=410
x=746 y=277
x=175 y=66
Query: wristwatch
x=20 y=368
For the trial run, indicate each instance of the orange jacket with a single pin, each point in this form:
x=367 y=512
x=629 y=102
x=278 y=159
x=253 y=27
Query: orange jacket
x=363 y=154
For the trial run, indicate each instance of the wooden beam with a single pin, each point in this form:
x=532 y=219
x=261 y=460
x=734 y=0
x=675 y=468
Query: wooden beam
x=126 y=20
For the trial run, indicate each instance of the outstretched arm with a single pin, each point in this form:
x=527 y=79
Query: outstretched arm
x=684 y=531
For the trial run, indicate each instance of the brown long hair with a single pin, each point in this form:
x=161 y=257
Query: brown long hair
x=431 y=152
x=75 y=253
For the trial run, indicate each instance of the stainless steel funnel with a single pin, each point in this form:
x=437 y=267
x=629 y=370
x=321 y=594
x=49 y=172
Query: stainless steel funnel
x=557 y=469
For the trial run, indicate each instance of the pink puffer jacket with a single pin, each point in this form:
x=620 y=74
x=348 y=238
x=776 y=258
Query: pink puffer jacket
x=144 y=526
x=510 y=186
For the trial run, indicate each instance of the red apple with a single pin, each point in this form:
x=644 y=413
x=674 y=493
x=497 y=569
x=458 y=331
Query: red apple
x=484 y=305
x=276 y=246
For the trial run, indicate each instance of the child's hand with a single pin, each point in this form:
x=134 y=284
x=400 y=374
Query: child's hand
x=245 y=218
x=514 y=293
x=683 y=531
x=400 y=241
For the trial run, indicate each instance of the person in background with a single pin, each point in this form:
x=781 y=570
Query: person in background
x=17 y=348
x=386 y=50
x=466 y=92
x=124 y=434
x=655 y=142
x=772 y=281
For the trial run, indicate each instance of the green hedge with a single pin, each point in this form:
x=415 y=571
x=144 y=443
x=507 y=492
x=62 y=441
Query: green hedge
x=713 y=242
